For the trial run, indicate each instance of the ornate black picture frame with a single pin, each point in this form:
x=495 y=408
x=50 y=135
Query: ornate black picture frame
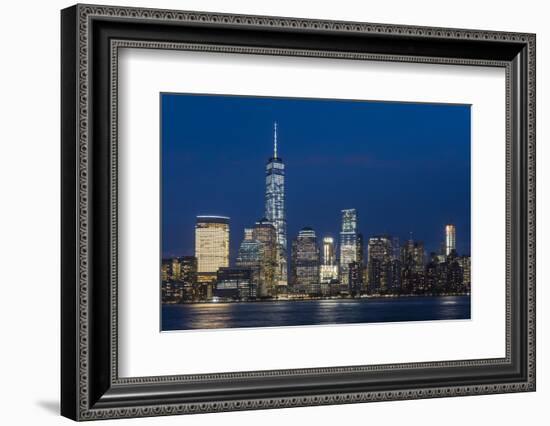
x=91 y=387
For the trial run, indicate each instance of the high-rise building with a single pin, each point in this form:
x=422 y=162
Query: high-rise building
x=265 y=233
x=379 y=264
x=188 y=269
x=165 y=270
x=355 y=278
x=211 y=246
x=250 y=255
x=176 y=269
x=412 y=255
x=275 y=208
x=188 y=277
x=351 y=245
x=465 y=264
x=329 y=254
x=329 y=268
x=412 y=266
x=450 y=239
x=305 y=262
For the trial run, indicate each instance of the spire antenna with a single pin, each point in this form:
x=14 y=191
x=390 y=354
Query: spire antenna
x=275 y=140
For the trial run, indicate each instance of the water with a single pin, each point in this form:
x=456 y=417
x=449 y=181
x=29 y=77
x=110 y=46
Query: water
x=313 y=312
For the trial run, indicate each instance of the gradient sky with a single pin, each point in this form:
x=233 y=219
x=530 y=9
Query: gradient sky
x=405 y=167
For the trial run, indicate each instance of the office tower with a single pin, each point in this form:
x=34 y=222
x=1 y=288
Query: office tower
x=379 y=264
x=355 y=278
x=351 y=245
x=466 y=265
x=305 y=262
x=412 y=255
x=450 y=239
x=266 y=234
x=412 y=264
x=176 y=269
x=250 y=255
x=329 y=268
x=275 y=208
x=188 y=277
x=235 y=284
x=455 y=276
x=211 y=246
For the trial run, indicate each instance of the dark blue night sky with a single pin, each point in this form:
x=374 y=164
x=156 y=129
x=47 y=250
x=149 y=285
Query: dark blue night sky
x=404 y=166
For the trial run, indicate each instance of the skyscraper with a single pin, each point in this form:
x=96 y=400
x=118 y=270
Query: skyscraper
x=379 y=265
x=250 y=255
x=211 y=245
x=412 y=263
x=275 y=207
x=329 y=268
x=350 y=244
x=188 y=267
x=265 y=233
x=450 y=239
x=305 y=262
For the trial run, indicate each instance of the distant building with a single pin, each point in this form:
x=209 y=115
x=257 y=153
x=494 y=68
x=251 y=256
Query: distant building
x=379 y=264
x=165 y=270
x=235 y=283
x=305 y=263
x=211 y=246
x=444 y=277
x=265 y=233
x=351 y=248
x=355 y=278
x=450 y=239
x=188 y=278
x=412 y=255
x=412 y=267
x=176 y=269
x=251 y=255
x=329 y=268
x=275 y=209
x=465 y=264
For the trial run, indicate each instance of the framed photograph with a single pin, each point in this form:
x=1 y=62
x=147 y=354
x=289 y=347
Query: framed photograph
x=263 y=212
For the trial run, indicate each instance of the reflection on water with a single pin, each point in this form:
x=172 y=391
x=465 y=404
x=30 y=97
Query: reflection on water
x=313 y=312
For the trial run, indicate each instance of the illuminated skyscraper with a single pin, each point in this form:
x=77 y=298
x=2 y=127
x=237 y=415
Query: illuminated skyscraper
x=329 y=268
x=351 y=244
x=211 y=245
x=305 y=262
x=450 y=239
x=379 y=266
x=275 y=208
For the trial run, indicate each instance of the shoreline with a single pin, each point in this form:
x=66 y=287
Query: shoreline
x=313 y=299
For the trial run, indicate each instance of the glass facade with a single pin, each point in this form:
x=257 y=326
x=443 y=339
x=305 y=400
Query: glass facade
x=350 y=244
x=235 y=283
x=275 y=208
x=450 y=239
x=250 y=255
x=329 y=268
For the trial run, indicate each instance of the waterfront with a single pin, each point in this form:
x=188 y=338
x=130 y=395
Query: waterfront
x=313 y=312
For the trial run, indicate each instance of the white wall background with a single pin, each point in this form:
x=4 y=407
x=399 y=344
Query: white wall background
x=29 y=213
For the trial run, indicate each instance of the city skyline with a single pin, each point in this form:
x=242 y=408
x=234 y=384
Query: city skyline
x=174 y=232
